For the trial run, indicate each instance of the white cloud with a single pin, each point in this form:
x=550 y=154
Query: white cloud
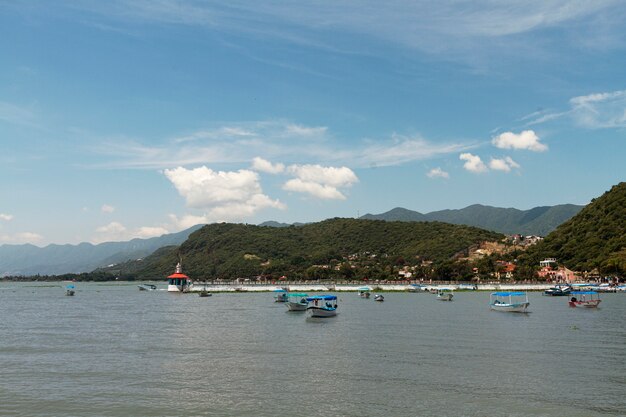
x=437 y=173
x=505 y=164
x=21 y=238
x=146 y=232
x=113 y=228
x=188 y=220
x=260 y=164
x=300 y=130
x=325 y=192
x=528 y=139
x=473 y=163
x=223 y=195
x=107 y=208
x=6 y=217
x=320 y=181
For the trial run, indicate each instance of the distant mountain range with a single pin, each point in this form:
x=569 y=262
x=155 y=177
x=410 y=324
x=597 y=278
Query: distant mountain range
x=536 y=221
x=84 y=257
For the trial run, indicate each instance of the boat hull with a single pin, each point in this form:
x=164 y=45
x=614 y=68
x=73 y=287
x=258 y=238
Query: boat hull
x=321 y=312
x=296 y=306
x=445 y=297
x=585 y=304
x=511 y=308
x=179 y=288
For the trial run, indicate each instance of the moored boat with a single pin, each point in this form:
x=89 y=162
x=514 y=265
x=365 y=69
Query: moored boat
x=147 y=287
x=515 y=302
x=280 y=295
x=297 y=302
x=588 y=299
x=322 y=306
x=379 y=297
x=179 y=282
x=444 y=294
x=558 y=290
x=364 y=292
x=70 y=289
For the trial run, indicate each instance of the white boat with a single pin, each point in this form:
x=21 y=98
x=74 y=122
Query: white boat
x=147 y=287
x=69 y=289
x=297 y=302
x=515 y=302
x=280 y=295
x=588 y=299
x=444 y=294
x=364 y=292
x=322 y=306
x=179 y=282
x=379 y=297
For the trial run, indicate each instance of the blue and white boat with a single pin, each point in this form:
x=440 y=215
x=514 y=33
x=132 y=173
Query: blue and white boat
x=364 y=292
x=297 y=301
x=322 y=306
x=516 y=302
x=444 y=294
x=280 y=295
x=70 y=289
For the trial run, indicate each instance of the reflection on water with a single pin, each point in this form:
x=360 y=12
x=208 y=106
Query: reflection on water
x=115 y=351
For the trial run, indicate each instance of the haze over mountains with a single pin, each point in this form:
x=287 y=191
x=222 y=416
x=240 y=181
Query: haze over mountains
x=536 y=221
x=85 y=257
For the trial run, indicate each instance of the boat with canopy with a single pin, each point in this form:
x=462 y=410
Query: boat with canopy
x=588 y=299
x=444 y=294
x=296 y=301
x=280 y=295
x=516 y=302
x=322 y=306
x=364 y=292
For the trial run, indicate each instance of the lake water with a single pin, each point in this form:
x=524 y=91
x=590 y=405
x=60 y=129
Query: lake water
x=115 y=351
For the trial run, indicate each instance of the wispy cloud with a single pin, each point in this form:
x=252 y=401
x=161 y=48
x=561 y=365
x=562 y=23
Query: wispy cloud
x=14 y=114
x=270 y=140
x=107 y=208
x=592 y=111
x=20 y=238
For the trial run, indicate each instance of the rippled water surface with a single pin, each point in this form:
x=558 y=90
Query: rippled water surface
x=115 y=351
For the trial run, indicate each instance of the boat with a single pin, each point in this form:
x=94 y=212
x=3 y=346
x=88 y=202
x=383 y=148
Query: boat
x=364 y=292
x=588 y=299
x=322 y=306
x=70 y=289
x=379 y=297
x=179 y=282
x=280 y=295
x=444 y=294
x=415 y=288
x=558 y=290
x=205 y=293
x=147 y=287
x=516 y=302
x=297 y=301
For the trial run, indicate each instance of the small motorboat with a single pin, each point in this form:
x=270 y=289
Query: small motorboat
x=70 y=289
x=322 y=306
x=514 y=302
x=297 y=302
x=280 y=295
x=558 y=290
x=147 y=287
x=379 y=297
x=444 y=294
x=588 y=299
x=204 y=293
x=364 y=292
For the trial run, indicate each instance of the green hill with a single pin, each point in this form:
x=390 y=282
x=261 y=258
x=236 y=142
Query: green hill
x=236 y=250
x=594 y=238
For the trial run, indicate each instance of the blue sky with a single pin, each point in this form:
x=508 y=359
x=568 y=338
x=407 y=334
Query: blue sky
x=125 y=119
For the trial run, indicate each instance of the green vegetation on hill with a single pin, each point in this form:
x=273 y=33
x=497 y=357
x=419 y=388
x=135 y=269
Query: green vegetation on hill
x=594 y=238
x=536 y=221
x=347 y=248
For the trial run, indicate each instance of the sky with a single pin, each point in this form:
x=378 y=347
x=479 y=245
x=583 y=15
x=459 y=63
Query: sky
x=124 y=119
